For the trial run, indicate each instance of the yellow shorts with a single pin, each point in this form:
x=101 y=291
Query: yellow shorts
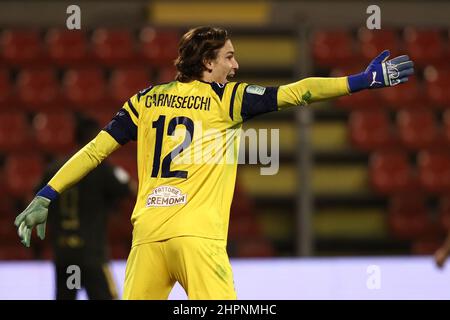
x=200 y=265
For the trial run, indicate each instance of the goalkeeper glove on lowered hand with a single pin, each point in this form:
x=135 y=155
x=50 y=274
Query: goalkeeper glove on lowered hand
x=35 y=215
x=382 y=73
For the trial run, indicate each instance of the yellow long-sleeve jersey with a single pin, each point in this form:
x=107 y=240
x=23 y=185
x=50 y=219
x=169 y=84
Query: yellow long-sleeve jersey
x=187 y=147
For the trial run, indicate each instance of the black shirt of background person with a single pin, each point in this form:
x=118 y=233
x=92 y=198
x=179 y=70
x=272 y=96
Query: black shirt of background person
x=78 y=219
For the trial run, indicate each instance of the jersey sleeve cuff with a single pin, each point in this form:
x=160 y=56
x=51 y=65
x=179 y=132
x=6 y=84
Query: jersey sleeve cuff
x=48 y=192
x=357 y=82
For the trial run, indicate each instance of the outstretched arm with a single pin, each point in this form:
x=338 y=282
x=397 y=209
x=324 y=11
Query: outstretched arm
x=119 y=131
x=73 y=171
x=247 y=101
x=380 y=73
x=310 y=90
x=83 y=162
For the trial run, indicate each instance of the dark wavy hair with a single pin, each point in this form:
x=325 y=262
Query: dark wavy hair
x=196 y=46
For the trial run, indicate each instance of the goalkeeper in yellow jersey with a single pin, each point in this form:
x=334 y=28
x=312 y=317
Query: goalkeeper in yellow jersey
x=187 y=134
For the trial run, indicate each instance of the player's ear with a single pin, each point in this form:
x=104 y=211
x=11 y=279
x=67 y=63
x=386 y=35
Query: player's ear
x=208 y=64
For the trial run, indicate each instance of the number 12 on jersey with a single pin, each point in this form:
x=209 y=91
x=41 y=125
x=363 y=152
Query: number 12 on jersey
x=165 y=167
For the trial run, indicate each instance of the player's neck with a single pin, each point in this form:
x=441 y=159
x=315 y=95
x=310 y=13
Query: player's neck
x=210 y=77
x=207 y=77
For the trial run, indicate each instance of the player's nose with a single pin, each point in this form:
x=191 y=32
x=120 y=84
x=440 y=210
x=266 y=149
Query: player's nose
x=235 y=65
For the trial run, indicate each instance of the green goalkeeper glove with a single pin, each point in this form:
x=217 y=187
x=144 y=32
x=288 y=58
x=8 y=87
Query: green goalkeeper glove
x=34 y=215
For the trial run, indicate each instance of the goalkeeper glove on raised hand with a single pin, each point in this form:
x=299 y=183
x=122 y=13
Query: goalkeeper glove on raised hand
x=35 y=215
x=382 y=73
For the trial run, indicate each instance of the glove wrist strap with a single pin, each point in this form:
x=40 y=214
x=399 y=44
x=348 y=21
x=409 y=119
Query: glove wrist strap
x=48 y=192
x=357 y=82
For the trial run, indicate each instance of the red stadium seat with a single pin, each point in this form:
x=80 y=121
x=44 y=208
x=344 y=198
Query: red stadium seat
x=333 y=48
x=22 y=47
x=119 y=251
x=406 y=95
x=447 y=41
x=444 y=212
x=8 y=233
x=46 y=253
x=22 y=173
x=446 y=126
x=244 y=227
x=15 y=252
x=4 y=205
x=38 y=89
x=85 y=88
x=159 y=47
x=125 y=208
x=6 y=91
x=7 y=205
x=127 y=150
x=67 y=47
x=407 y=216
x=167 y=74
x=430 y=241
x=373 y=42
x=434 y=170
x=119 y=230
x=437 y=84
x=427 y=245
x=370 y=130
x=365 y=99
x=425 y=46
x=254 y=248
x=241 y=205
x=113 y=47
x=55 y=132
x=126 y=82
x=14 y=131
x=390 y=172
x=418 y=129
x=103 y=117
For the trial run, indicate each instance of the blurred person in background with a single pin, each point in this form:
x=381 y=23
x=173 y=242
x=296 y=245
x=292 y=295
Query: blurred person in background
x=180 y=220
x=78 y=223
